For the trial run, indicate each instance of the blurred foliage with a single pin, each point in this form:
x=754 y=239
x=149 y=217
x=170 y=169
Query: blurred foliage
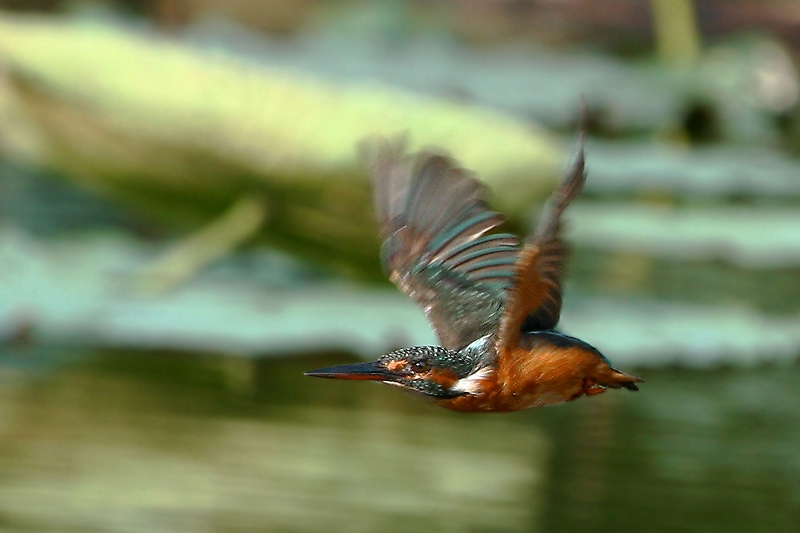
x=82 y=98
x=743 y=90
x=691 y=244
x=720 y=173
x=750 y=237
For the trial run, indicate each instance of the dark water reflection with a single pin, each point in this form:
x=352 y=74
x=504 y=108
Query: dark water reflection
x=166 y=442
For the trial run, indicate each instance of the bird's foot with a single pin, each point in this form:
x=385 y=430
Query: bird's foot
x=590 y=388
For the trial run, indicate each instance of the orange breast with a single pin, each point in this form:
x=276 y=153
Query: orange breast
x=532 y=375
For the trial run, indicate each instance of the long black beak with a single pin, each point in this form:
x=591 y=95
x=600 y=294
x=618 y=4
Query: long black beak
x=371 y=371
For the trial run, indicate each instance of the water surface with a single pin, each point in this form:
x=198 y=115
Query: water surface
x=121 y=441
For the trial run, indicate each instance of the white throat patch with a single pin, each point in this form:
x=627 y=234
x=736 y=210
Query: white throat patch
x=472 y=383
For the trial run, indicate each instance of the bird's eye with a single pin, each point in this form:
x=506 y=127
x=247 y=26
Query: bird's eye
x=419 y=366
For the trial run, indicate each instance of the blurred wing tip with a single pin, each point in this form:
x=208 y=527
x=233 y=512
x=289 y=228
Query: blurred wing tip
x=577 y=159
x=578 y=151
x=377 y=150
x=575 y=169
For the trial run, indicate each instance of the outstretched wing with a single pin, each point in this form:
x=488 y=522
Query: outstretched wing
x=435 y=222
x=534 y=301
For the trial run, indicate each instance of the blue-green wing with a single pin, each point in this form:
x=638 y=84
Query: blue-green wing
x=437 y=248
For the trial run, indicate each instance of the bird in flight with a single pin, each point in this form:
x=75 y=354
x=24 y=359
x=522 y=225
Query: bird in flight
x=493 y=302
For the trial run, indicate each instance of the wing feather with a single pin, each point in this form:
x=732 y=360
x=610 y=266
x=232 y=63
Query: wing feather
x=534 y=301
x=437 y=248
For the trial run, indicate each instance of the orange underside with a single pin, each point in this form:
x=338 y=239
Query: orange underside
x=537 y=376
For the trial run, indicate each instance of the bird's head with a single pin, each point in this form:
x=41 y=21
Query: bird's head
x=430 y=370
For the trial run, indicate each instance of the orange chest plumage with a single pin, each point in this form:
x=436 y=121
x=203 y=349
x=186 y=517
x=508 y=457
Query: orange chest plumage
x=535 y=374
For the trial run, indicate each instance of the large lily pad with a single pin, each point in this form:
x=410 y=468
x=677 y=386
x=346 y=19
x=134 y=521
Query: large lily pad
x=752 y=237
x=87 y=87
x=625 y=168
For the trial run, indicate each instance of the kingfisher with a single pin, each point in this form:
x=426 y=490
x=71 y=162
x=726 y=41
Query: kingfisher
x=493 y=301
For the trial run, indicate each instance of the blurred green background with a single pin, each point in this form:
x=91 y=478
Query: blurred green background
x=186 y=226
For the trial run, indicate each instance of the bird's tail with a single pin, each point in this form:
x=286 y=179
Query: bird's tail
x=617 y=380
